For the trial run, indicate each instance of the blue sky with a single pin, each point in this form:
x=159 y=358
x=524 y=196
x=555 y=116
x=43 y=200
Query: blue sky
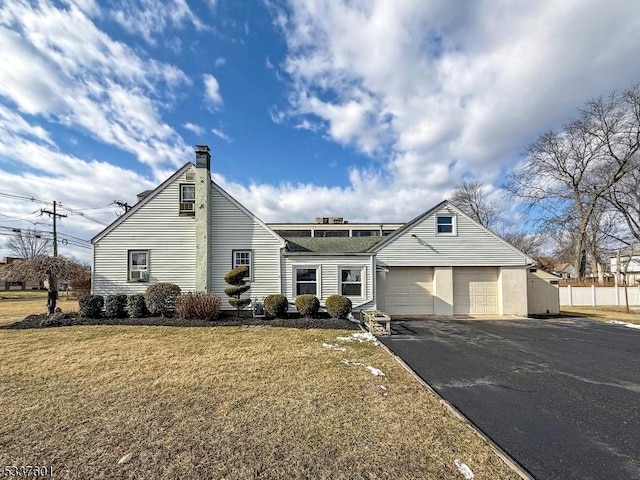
x=367 y=110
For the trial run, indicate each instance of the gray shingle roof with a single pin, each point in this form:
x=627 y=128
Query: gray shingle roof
x=331 y=244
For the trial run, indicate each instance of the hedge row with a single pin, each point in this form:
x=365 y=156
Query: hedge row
x=166 y=300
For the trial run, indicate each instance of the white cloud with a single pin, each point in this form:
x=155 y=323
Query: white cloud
x=438 y=92
x=220 y=62
x=212 y=90
x=192 y=127
x=60 y=67
x=220 y=134
x=149 y=19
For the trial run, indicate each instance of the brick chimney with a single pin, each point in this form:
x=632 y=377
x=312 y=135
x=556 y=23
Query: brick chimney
x=203 y=219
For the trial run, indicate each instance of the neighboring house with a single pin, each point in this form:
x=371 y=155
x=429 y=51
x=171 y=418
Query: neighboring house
x=26 y=285
x=629 y=264
x=565 y=270
x=190 y=232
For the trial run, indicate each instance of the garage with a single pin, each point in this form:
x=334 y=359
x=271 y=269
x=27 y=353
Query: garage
x=409 y=291
x=475 y=290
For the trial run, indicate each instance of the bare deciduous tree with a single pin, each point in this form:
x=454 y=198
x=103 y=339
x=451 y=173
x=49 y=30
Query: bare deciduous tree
x=567 y=173
x=471 y=198
x=51 y=268
x=530 y=243
x=28 y=244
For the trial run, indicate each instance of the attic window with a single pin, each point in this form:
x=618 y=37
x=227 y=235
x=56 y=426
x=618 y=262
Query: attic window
x=187 y=198
x=445 y=225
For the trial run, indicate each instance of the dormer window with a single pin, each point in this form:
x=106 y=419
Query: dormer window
x=445 y=225
x=187 y=198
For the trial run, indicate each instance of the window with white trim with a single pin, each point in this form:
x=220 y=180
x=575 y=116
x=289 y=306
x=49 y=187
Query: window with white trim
x=242 y=258
x=351 y=282
x=445 y=224
x=138 y=265
x=306 y=280
x=187 y=198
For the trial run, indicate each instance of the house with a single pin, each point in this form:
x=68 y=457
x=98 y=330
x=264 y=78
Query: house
x=189 y=231
x=629 y=265
x=19 y=285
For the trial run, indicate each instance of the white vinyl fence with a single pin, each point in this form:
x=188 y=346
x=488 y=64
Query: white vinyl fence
x=598 y=296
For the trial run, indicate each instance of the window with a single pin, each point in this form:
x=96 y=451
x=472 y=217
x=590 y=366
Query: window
x=306 y=280
x=242 y=258
x=445 y=224
x=187 y=198
x=366 y=233
x=294 y=233
x=331 y=233
x=351 y=282
x=138 y=265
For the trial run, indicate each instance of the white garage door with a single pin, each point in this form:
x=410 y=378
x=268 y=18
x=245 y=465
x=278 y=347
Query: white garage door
x=408 y=291
x=475 y=290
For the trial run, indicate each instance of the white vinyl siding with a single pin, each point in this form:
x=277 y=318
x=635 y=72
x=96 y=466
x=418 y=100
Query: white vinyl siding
x=158 y=228
x=421 y=245
x=232 y=228
x=329 y=275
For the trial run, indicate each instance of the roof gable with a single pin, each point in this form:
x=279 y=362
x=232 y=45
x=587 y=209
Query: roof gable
x=143 y=202
x=473 y=230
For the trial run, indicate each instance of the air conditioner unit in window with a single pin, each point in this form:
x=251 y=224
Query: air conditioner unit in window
x=187 y=207
x=139 y=276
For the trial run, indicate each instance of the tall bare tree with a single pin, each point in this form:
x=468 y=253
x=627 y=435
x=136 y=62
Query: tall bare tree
x=28 y=244
x=568 y=173
x=471 y=198
x=51 y=268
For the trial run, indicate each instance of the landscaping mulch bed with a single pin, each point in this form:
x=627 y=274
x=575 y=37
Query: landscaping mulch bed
x=70 y=319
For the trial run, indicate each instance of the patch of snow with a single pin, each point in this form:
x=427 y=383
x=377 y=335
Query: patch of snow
x=359 y=337
x=337 y=348
x=626 y=324
x=464 y=470
x=125 y=459
x=375 y=371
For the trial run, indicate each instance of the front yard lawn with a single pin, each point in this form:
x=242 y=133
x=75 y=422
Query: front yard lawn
x=604 y=313
x=226 y=402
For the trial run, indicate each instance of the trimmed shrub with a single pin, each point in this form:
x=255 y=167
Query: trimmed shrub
x=276 y=306
x=200 y=305
x=338 y=306
x=115 y=306
x=308 y=305
x=91 y=306
x=161 y=299
x=235 y=279
x=136 y=307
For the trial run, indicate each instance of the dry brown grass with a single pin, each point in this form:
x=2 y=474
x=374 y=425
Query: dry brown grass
x=604 y=313
x=223 y=402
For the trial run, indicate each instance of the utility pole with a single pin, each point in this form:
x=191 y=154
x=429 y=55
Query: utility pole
x=54 y=215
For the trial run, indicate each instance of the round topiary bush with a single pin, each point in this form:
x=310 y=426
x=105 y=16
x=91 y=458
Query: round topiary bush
x=115 y=306
x=338 y=306
x=136 y=307
x=308 y=305
x=276 y=306
x=161 y=299
x=91 y=306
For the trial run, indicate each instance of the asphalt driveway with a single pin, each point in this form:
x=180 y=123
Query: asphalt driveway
x=561 y=397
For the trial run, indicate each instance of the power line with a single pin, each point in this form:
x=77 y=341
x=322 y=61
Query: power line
x=64 y=207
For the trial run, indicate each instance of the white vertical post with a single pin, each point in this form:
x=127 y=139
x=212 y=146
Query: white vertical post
x=570 y=294
x=617 y=290
x=593 y=295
